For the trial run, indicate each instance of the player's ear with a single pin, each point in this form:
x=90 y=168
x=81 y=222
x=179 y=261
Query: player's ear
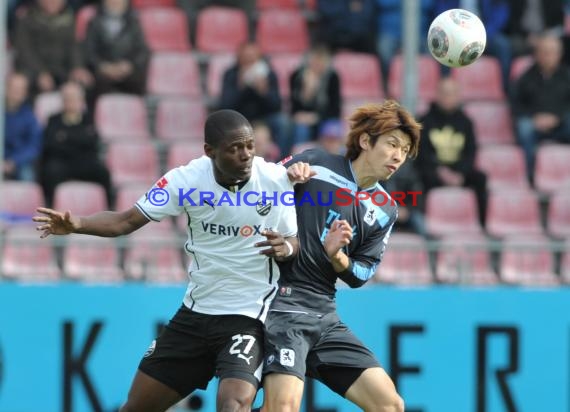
x=209 y=150
x=364 y=141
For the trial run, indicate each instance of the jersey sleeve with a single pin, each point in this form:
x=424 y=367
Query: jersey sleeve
x=162 y=199
x=365 y=260
x=308 y=156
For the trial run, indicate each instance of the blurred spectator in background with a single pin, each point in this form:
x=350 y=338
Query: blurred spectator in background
x=448 y=146
x=390 y=30
x=115 y=49
x=250 y=87
x=332 y=137
x=541 y=99
x=530 y=18
x=347 y=24
x=495 y=16
x=22 y=131
x=410 y=216
x=45 y=46
x=71 y=146
x=264 y=145
x=315 y=96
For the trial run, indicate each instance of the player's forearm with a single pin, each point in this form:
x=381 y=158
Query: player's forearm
x=105 y=224
x=340 y=261
x=294 y=243
x=354 y=274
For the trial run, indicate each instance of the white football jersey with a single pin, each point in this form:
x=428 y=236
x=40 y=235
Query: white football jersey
x=227 y=273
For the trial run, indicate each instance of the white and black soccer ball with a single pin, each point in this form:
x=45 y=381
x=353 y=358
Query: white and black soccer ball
x=456 y=38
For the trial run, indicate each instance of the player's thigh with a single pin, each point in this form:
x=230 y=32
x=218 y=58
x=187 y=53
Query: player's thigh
x=282 y=392
x=149 y=395
x=181 y=357
x=375 y=391
x=238 y=343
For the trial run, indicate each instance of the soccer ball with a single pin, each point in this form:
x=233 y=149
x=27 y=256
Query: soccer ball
x=456 y=38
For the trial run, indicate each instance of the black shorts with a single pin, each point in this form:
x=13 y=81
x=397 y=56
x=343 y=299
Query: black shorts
x=318 y=346
x=194 y=347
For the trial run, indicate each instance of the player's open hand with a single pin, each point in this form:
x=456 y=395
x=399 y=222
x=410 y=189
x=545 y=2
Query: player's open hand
x=339 y=235
x=276 y=245
x=300 y=172
x=55 y=223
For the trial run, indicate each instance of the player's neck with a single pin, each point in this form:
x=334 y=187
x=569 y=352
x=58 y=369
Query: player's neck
x=362 y=174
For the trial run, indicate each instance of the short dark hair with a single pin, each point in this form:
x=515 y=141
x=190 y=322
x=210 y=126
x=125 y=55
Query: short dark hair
x=219 y=123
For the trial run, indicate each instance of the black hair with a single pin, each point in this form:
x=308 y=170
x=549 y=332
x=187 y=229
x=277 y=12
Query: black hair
x=220 y=123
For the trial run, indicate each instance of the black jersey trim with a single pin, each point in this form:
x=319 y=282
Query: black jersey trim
x=149 y=217
x=265 y=305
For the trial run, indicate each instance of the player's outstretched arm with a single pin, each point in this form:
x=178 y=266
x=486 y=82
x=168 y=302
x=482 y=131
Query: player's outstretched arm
x=105 y=224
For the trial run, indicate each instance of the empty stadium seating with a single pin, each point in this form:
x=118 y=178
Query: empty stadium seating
x=504 y=165
x=19 y=201
x=181 y=153
x=480 y=80
x=282 y=31
x=513 y=212
x=527 y=261
x=81 y=198
x=405 y=262
x=466 y=259
x=153 y=3
x=284 y=65
x=558 y=215
x=277 y=4
x=180 y=119
x=165 y=28
x=173 y=74
x=552 y=169
x=92 y=259
x=121 y=116
x=428 y=77
x=221 y=29
x=451 y=210
x=217 y=65
x=359 y=75
x=133 y=162
x=27 y=258
x=492 y=122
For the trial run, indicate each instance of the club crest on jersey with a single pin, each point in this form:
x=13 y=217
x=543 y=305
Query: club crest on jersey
x=150 y=349
x=262 y=208
x=370 y=216
x=287 y=357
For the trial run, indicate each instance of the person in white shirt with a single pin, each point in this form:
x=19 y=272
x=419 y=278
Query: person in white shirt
x=237 y=229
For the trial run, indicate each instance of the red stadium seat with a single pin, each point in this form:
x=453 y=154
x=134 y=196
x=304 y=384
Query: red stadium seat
x=27 y=258
x=281 y=31
x=284 y=65
x=46 y=105
x=428 y=77
x=558 y=215
x=480 y=80
x=81 y=198
x=139 y=4
x=519 y=66
x=451 y=210
x=217 y=66
x=92 y=259
x=277 y=4
x=165 y=28
x=180 y=119
x=121 y=116
x=173 y=74
x=513 y=212
x=19 y=201
x=504 y=165
x=405 y=262
x=221 y=29
x=492 y=122
x=527 y=261
x=360 y=75
x=82 y=19
x=181 y=153
x=155 y=256
x=565 y=263
x=552 y=168
x=128 y=195
x=466 y=259
x=133 y=162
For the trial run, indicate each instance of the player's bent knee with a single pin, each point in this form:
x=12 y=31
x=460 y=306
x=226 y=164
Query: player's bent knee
x=235 y=403
x=395 y=405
